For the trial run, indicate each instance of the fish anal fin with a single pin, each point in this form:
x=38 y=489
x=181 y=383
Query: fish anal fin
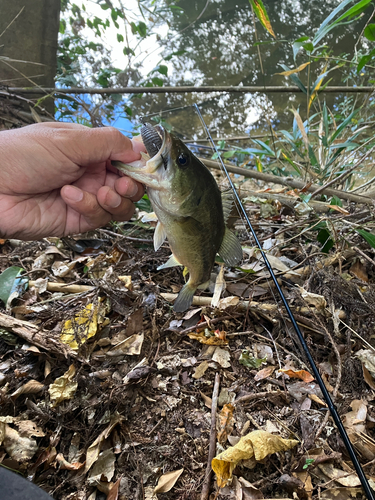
x=184 y=298
x=230 y=250
x=171 y=262
x=159 y=235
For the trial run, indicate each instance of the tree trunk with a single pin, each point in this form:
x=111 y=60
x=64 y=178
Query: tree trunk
x=28 y=46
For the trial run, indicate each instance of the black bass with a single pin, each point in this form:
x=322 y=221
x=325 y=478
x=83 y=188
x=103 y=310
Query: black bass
x=189 y=206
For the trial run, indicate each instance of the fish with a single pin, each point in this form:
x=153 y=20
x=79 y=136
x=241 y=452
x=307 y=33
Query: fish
x=190 y=209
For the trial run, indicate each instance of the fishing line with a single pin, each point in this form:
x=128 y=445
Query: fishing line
x=361 y=475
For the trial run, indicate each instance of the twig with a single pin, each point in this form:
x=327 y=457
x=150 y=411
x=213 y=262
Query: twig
x=258 y=395
x=364 y=256
x=288 y=181
x=191 y=89
x=212 y=448
x=131 y=238
x=64 y=287
x=34 y=335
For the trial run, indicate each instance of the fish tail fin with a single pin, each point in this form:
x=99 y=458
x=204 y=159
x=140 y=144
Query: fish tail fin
x=184 y=298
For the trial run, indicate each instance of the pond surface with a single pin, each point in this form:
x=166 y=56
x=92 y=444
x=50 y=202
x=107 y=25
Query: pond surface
x=218 y=39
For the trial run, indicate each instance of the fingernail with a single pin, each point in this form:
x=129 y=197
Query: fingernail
x=113 y=200
x=132 y=190
x=73 y=194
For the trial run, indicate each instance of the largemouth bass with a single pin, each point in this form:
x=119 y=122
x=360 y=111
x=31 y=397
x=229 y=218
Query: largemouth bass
x=189 y=206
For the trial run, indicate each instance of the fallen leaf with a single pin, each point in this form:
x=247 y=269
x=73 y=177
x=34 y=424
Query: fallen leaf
x=367 y=356
x=226 y=423
x=301 y=374
x=31 y=387
x=250 y=361
x=94 y=449
x=63 y=387
x=167 y=481
x=249 y=492
x=85 y=324
x=104 y=468
x=256 y=444
x=340 y=476
x=313 y=299
x=200 y=370
x=64 y=464
x=131 y=346
x=127 y=280
x=359 y=271
x=222 y=357
x=20 y=448
x=211 y=340
x=113 y=493
x=265 y=373
x=219 y=287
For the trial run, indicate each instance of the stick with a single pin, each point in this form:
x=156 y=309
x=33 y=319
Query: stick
x=187 y=89
x=212 y=448
x=244 y=305
x=64 y=287
x=288 y=181
x=32 y=334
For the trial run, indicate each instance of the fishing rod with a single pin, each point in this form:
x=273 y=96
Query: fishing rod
x=369 y=492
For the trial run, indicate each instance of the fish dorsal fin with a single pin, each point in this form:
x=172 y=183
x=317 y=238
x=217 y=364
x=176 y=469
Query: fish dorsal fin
x=159 y=235
x=230 y=250
x=151 y=217
x=171 y=262
x=227 y=202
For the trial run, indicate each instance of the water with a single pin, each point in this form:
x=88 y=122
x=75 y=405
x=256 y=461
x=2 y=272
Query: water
x=219 y=50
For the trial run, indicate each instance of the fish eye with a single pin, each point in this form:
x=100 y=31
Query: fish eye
x=183 y=160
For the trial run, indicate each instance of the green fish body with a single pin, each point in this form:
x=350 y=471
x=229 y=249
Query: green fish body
x=189 y=207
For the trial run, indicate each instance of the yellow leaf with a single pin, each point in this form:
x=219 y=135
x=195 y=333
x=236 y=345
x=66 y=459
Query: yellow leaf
x=63 y=387
x=84 y=325
x=257 y=444
x=262 y=15
x=301 y=127
x=316 y=89
x=259 y=164
x=295 y=70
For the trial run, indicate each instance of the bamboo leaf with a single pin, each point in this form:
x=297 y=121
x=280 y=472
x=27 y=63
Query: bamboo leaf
x=292 y=71
x=261 y=13
x=369 y=32
x=369 y=237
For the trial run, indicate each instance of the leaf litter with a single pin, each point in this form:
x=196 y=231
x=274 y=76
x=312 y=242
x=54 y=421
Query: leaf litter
x=107 y=394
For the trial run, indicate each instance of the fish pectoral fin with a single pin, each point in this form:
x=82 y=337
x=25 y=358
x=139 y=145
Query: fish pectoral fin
x=184 y=298
x=159 y=236
x=151 y=217
x=230 y=250
x=171 y=262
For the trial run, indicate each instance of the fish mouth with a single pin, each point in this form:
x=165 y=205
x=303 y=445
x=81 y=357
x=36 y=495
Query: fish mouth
x=153 y=138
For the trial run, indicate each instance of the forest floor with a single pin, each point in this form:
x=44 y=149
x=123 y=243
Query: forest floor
x=105 y=392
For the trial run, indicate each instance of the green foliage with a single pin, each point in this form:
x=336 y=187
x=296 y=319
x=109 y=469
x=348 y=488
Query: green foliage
x=12 y=283
x=369 y=237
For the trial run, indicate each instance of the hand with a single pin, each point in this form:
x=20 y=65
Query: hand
x=56 y=179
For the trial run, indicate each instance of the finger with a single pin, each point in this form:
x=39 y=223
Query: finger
x=119 y=207
x=129 y=188
x=87 y=205
x=96 y=145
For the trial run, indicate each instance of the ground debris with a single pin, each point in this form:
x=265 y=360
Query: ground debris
x=106 y=393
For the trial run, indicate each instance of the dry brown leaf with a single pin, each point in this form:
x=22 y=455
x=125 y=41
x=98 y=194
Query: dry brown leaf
x=31 y=387
x=264 y=373
x=131 y=346
x=339 y=209
x=103 y=469
x=317 y=399
x=167 y=481
x=226 y=423
x=200 y=370
x=346 y=479
x=28 y=428
x=113 y=493
x=207 y=400
x=64 y=464
x=359 y=270
x=94 y=449
x=368 y=378
x=301 y=374
x=20 y=448
x=213 y=340
x=222 y=356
